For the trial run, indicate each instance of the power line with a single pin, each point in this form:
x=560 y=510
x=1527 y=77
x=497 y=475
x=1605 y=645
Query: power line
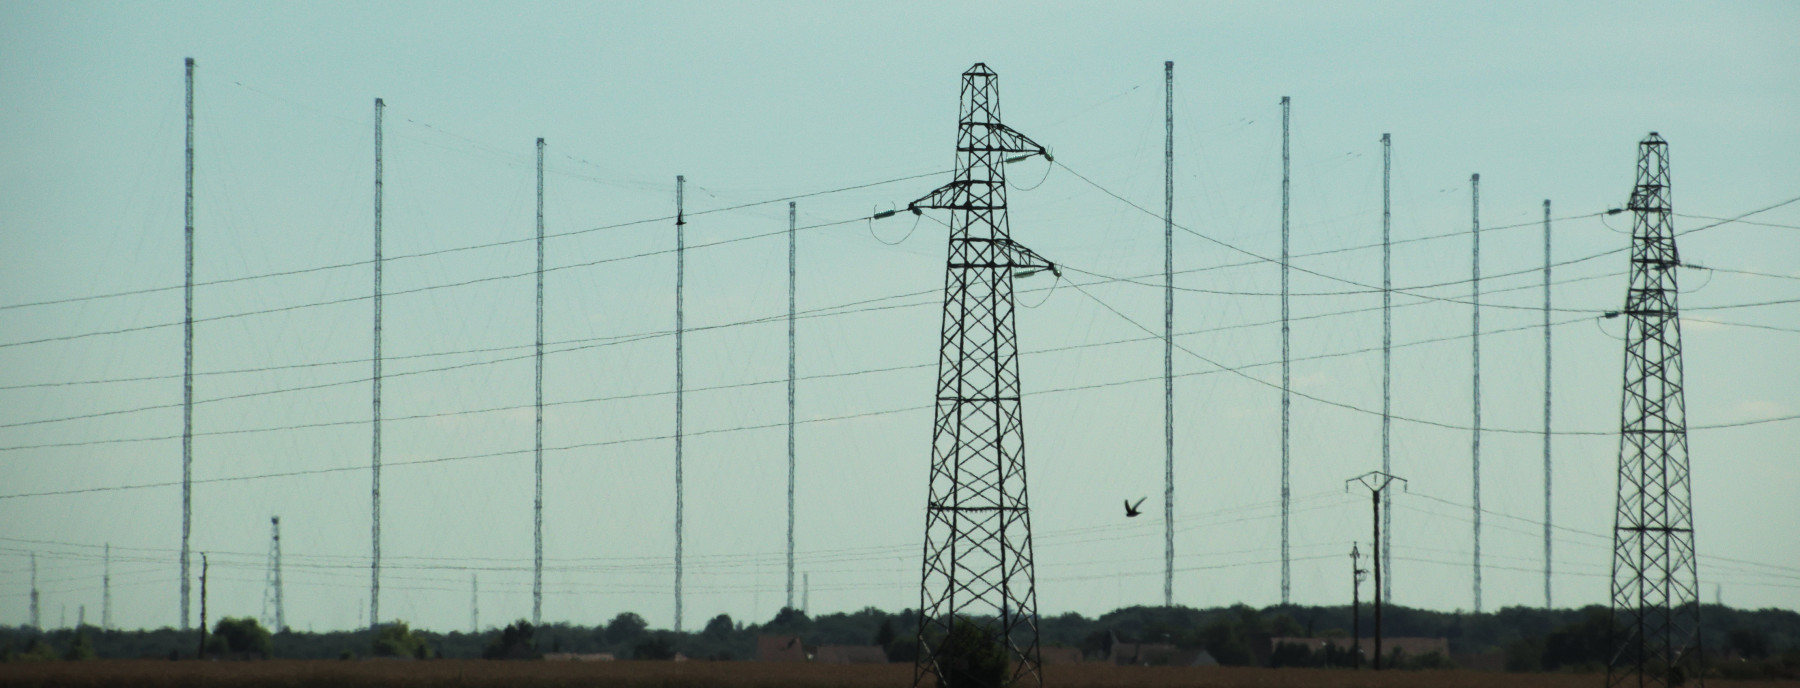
x=1370 y=289
x=473 y=247
x=826 y=311
x=1351 y=407
x=415 y=290
x=639 y=395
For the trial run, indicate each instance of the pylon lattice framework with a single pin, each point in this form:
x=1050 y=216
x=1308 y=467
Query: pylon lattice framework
x=1655 y=582
x=978 y=583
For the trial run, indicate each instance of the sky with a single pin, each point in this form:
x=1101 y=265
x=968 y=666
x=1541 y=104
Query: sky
x=849 y=109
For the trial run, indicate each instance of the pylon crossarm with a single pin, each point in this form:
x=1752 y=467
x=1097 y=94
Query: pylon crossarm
x=1003 y=139
x=1027 y=259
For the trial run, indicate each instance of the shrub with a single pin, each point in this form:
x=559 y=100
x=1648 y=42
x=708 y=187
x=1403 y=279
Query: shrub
x=241 y=637
x=971 y=655
x=396 y=640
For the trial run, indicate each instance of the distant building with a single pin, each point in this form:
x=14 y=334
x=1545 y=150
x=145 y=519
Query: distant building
x=780 y=648
x=850 y=654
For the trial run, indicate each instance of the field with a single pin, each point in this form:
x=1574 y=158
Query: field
x=478 y=673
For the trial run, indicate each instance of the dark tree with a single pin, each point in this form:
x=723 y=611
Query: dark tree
x=516 y=641
x=241 y=637
x=625 y=628
x=396 y=640
x=972 y=656
x=654 y=647
x=719 y=628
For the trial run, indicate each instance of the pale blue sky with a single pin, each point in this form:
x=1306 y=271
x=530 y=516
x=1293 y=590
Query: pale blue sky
x=762 y=101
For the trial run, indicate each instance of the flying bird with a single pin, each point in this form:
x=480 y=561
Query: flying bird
x=1131 y=509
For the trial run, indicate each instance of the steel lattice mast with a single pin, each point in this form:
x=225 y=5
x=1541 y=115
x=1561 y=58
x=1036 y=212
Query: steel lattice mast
x=375 y=452
x=1547 y=521
x=1387 y=359
x=1286 y=368
x=1169 y=334
x=978 y=583
x=106 y=619
x=1655 y=582
x=36 y=624
x=1475 y=349
x=187 y=362
x=790 y=402
x=537 y=506
x=680 y=329
x=274 y=614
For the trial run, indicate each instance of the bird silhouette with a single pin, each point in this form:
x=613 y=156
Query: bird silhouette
x=1131 y=509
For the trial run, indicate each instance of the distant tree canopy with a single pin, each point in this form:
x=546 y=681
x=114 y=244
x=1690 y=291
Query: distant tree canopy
x=718 y=628
x=397 y=640
x=788 y=621
x=1740 y=643
x=655 y=646
x=972 y=655
x=516 y=641
x=81 y=648
x=240 y=636
x=625 y=628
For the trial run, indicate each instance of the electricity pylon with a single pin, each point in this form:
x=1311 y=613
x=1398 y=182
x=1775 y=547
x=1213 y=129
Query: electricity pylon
x=978 y=584
x=1655 y=582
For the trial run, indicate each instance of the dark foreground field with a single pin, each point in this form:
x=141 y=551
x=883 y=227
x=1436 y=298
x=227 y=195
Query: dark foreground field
x=479 y=673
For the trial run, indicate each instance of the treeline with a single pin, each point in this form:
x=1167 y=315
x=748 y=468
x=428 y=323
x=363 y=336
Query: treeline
x=1750 y=643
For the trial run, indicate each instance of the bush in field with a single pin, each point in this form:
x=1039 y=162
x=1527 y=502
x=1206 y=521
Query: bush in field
x=1429 y=660
x=1525 y=654
x=1226 y=641
x=35 y=651
x=81 y=648
x=654 y=647
x=1584 y=644
x=243 y=637
x=972 y=656
x=514 y=642
x=1293 y=655
x=396 y=640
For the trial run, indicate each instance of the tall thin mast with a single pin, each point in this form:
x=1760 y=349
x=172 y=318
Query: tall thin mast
x=1387 y=357
x=36 y=624
x=1475 y=344
x=187 y=361
x=537 y=508
x=375 y=452
x=790 y=427
x=1169 y=334
x=680 y=282
x=474 y=605
x=280 y=604
x=106 y=620
x=1547 y=521
x=1286 y=368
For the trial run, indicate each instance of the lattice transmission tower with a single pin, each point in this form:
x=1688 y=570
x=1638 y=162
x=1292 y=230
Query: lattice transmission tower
x=978 y=584
x=1655 y=582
